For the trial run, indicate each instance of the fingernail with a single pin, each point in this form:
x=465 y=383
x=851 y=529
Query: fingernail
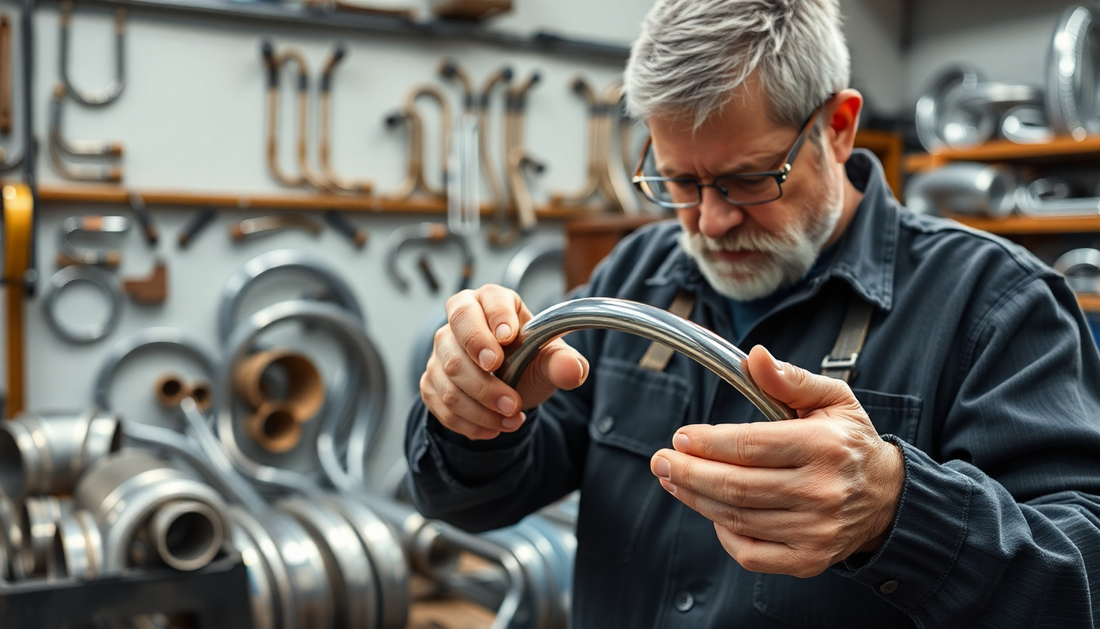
x=510 y=422
x=503 y=332
x=584 y=370
x=669 y=487
x=681 y=442
x=486 y=358
x=662 y=468
x=506 y=405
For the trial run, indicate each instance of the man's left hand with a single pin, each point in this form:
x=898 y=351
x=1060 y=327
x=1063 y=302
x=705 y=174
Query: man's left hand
x=790 y=497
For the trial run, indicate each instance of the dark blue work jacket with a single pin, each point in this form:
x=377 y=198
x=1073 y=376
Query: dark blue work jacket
x=978 y=364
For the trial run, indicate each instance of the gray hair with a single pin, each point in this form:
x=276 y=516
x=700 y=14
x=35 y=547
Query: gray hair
x=693 y=54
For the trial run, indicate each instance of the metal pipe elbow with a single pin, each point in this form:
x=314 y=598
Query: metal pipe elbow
x=692 y=340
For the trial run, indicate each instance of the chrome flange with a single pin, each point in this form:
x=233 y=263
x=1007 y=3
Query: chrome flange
x=38 y=518
x=76 y=549
x=44 y=453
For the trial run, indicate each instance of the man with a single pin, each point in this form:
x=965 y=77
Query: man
x=950 y=482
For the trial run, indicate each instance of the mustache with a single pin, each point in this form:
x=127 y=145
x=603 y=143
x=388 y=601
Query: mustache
x=747 y=241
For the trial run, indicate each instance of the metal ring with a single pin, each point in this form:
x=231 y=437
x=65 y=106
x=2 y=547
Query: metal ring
x=930 y=105
x=278 y=261
x=692 y=340
x=366 y=367
x=526 y=258
x=1071 y=89
x=98 y=278
x=149 y=338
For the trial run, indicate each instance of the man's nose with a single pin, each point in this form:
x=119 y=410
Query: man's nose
x=717 y=215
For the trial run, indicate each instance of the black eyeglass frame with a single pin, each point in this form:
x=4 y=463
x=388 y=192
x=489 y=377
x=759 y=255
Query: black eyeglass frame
x=640 y=181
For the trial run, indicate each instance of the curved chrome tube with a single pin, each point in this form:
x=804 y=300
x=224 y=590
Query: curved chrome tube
x=45 y=453
x=1076 y=260
x=91 y=224
x=148 y=338
x=336 y=289
x=1042 y=198
x=526 y=258
x=1027 y=124
x=111 y=91
x=972 y=113
x=930 y=105
x=694 y=341
x=1071 y=95
x=964 y=188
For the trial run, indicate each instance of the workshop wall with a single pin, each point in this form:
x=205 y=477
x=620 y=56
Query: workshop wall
x=192 y=118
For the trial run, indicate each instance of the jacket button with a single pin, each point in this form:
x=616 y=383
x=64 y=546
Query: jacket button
x=684 y=601
x=605 y=424
x=888 y=587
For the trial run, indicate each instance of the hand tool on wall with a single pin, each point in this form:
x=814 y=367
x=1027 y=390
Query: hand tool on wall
x=149 y=290
x=144 y=219
x=195 y=226
x=426 y=232
x=59 y=144
x=334 y=181
x=274 y=65
x=340 y=223
x=94 y=224
x=112 y=90
x=463 y=161
x=518 y=161
x=252 y=227
x=592 y=180
x=18 y=270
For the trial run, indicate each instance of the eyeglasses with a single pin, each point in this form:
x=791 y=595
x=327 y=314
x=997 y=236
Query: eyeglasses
x=744 y=189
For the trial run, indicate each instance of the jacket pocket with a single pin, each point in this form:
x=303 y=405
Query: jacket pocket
x=635 y=413
x=830 y=600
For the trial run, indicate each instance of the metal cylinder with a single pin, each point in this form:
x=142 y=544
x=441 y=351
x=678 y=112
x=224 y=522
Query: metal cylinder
x=76 y=549
x=692 y=340
x=124 y=490
x=274 y=427
x=44 y=453
x=187 y=534
x=422 y=540
x=11 y=538
x=38 y=520
x=281 y=375
x=964 y=188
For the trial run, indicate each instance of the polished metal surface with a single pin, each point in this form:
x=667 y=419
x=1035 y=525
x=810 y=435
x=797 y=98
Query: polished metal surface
x=654 y=324
x=1074 y=61
x=91 y=225
x=280 y=261
x=77 y=547
x=124 y=490
x=930 y=106
x=963 y=188
x=527 y=258
x=187 y=534
x=11 y=537
x=112 y=90
x=95 y=276
x=265 y=615
x=1081 y=268
x=365 y=375
x=141 y=341
x=1027 y=124
x=972 y=113
x=44 y=453
x=1044 y=197
x=38 y=520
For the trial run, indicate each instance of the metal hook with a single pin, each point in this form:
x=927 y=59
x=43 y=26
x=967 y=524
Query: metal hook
x=58 y=144
x=112 y=90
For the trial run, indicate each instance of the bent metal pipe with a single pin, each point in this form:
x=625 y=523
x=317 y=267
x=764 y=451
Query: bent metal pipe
x=694 y=341
x=324 y=153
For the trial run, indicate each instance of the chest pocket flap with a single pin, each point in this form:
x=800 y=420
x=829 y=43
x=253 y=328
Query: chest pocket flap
x=636 y=409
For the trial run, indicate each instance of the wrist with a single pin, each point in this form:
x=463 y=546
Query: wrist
x=892 y=481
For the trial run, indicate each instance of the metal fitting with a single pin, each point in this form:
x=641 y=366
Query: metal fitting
x=283 y=376
x=47 y=453
x=426 y=232
x=95 y=276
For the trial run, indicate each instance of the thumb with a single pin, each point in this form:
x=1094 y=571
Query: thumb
x=557 y=366
x=794 y=386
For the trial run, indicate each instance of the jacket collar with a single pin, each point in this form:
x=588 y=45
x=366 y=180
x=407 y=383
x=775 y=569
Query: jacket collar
x=866 y=251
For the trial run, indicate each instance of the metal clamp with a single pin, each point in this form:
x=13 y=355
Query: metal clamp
x=694 y=341
x=839 y=363
x=98 y=278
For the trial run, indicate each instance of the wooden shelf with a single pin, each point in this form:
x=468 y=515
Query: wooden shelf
x=1015 y=225
x=1089 y=302
x=289 y=201
x=1060 y=149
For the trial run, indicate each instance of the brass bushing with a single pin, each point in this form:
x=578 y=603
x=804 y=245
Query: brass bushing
x=170 y=390
x=202 y=393
x=274 y=427
x=301 y=389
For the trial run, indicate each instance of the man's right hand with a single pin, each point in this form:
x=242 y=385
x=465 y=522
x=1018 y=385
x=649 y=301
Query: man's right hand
x=459 y=387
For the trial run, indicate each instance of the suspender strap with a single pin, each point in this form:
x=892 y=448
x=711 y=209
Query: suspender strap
x=841 y=363
x=657 y=356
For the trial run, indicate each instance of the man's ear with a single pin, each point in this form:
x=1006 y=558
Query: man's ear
x=842 y=121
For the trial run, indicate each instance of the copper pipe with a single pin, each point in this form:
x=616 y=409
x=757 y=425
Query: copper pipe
x=335 y=181
x=434 y=93
x=274 y=65
x=152 y=289
x=283 y=376
x=591 y=184
x=311 y=176
x=449 y=69
x=518 y=159
x=413 y=133
x=273 y=427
